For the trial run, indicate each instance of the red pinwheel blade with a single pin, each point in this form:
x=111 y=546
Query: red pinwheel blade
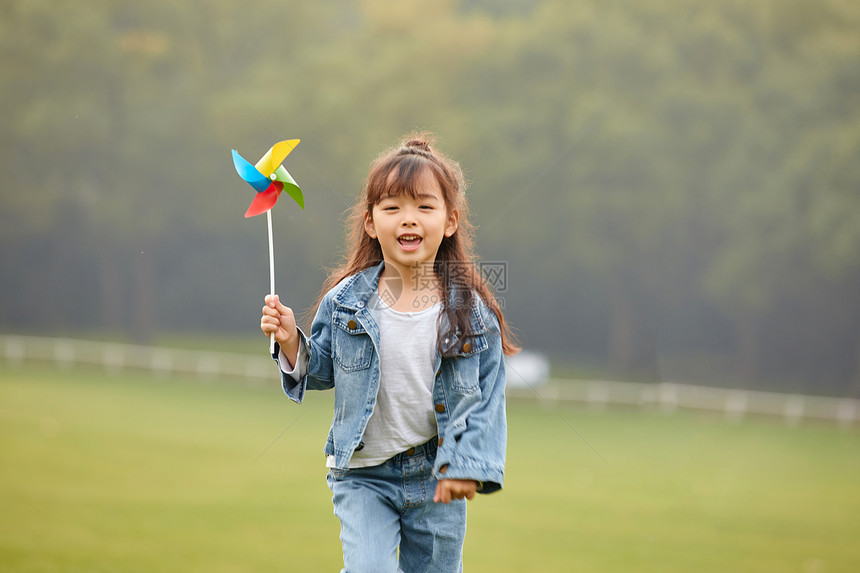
x=265 y=200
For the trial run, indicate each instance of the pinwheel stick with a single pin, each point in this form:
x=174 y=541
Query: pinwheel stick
x=271 y=272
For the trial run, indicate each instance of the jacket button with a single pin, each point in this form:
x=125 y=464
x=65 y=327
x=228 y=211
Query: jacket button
x=441 y=440
x=410 y=452
x=443 y=469
x=351 y=325
x=440 y=408
x=467 y=347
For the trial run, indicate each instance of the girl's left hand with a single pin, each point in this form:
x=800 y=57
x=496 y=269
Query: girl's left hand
x=448 y=489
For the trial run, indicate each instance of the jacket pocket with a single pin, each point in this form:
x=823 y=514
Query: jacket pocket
x=352 y=348
x=465 y=366
x=471 y=345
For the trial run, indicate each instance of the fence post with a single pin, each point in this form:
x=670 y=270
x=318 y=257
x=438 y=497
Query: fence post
x=736 y=405
x=668 y=397
x=794 y=408
x=14 y=350
x=846 y=412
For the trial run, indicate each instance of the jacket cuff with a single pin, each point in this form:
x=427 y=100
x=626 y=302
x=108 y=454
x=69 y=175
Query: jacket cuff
x=489 y=479
x=294 y=382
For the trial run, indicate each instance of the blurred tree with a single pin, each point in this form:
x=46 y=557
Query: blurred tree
x=108 y=88
x=665 y=179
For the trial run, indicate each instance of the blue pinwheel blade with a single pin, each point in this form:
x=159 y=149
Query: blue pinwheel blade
x=250 y=174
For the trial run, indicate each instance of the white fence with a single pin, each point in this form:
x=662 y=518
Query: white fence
x=669 y=397
x=115 y=357
x=665 y=396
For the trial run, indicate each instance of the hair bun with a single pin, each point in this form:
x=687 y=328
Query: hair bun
x=419 y=143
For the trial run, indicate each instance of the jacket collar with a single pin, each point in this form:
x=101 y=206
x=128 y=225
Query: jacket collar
x=358 y=288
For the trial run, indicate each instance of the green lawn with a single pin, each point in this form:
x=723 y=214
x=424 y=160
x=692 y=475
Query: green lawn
x=136 y=473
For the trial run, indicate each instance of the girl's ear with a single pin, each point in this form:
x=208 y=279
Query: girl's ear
x=368 y=225
x=453 y=222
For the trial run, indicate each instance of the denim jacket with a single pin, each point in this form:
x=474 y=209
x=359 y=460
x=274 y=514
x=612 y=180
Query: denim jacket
x=468 y=393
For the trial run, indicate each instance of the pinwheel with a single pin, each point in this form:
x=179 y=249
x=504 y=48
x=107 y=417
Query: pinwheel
x=269 y=178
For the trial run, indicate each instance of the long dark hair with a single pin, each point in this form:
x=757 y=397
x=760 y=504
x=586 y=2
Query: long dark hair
x=455 y=261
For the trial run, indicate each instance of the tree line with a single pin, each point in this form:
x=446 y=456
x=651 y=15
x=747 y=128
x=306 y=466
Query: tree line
x=672 y=186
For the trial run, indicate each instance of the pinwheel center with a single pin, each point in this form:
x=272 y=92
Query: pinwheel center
x=273 y=177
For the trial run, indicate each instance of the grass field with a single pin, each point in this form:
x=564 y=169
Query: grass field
x=133 y=473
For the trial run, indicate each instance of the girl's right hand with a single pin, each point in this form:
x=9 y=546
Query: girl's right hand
x=279 y=321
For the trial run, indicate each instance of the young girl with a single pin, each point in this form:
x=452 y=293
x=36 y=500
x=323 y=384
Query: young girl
x=412 y=340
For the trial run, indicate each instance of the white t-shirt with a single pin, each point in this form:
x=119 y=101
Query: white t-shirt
x=403 y=415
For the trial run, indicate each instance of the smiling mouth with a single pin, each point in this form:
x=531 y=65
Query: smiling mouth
x=409 y=242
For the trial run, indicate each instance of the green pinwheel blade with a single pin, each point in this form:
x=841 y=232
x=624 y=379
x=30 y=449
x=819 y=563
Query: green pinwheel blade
x=291 y=188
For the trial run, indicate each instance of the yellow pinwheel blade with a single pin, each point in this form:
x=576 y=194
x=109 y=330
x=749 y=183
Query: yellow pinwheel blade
x=275 y=156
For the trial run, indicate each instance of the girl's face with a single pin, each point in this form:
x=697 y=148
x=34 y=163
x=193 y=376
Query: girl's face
x=410 y=229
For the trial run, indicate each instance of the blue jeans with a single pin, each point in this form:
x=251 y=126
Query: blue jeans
x=390 y=505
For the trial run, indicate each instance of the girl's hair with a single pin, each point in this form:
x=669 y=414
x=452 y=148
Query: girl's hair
x=454 y=264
